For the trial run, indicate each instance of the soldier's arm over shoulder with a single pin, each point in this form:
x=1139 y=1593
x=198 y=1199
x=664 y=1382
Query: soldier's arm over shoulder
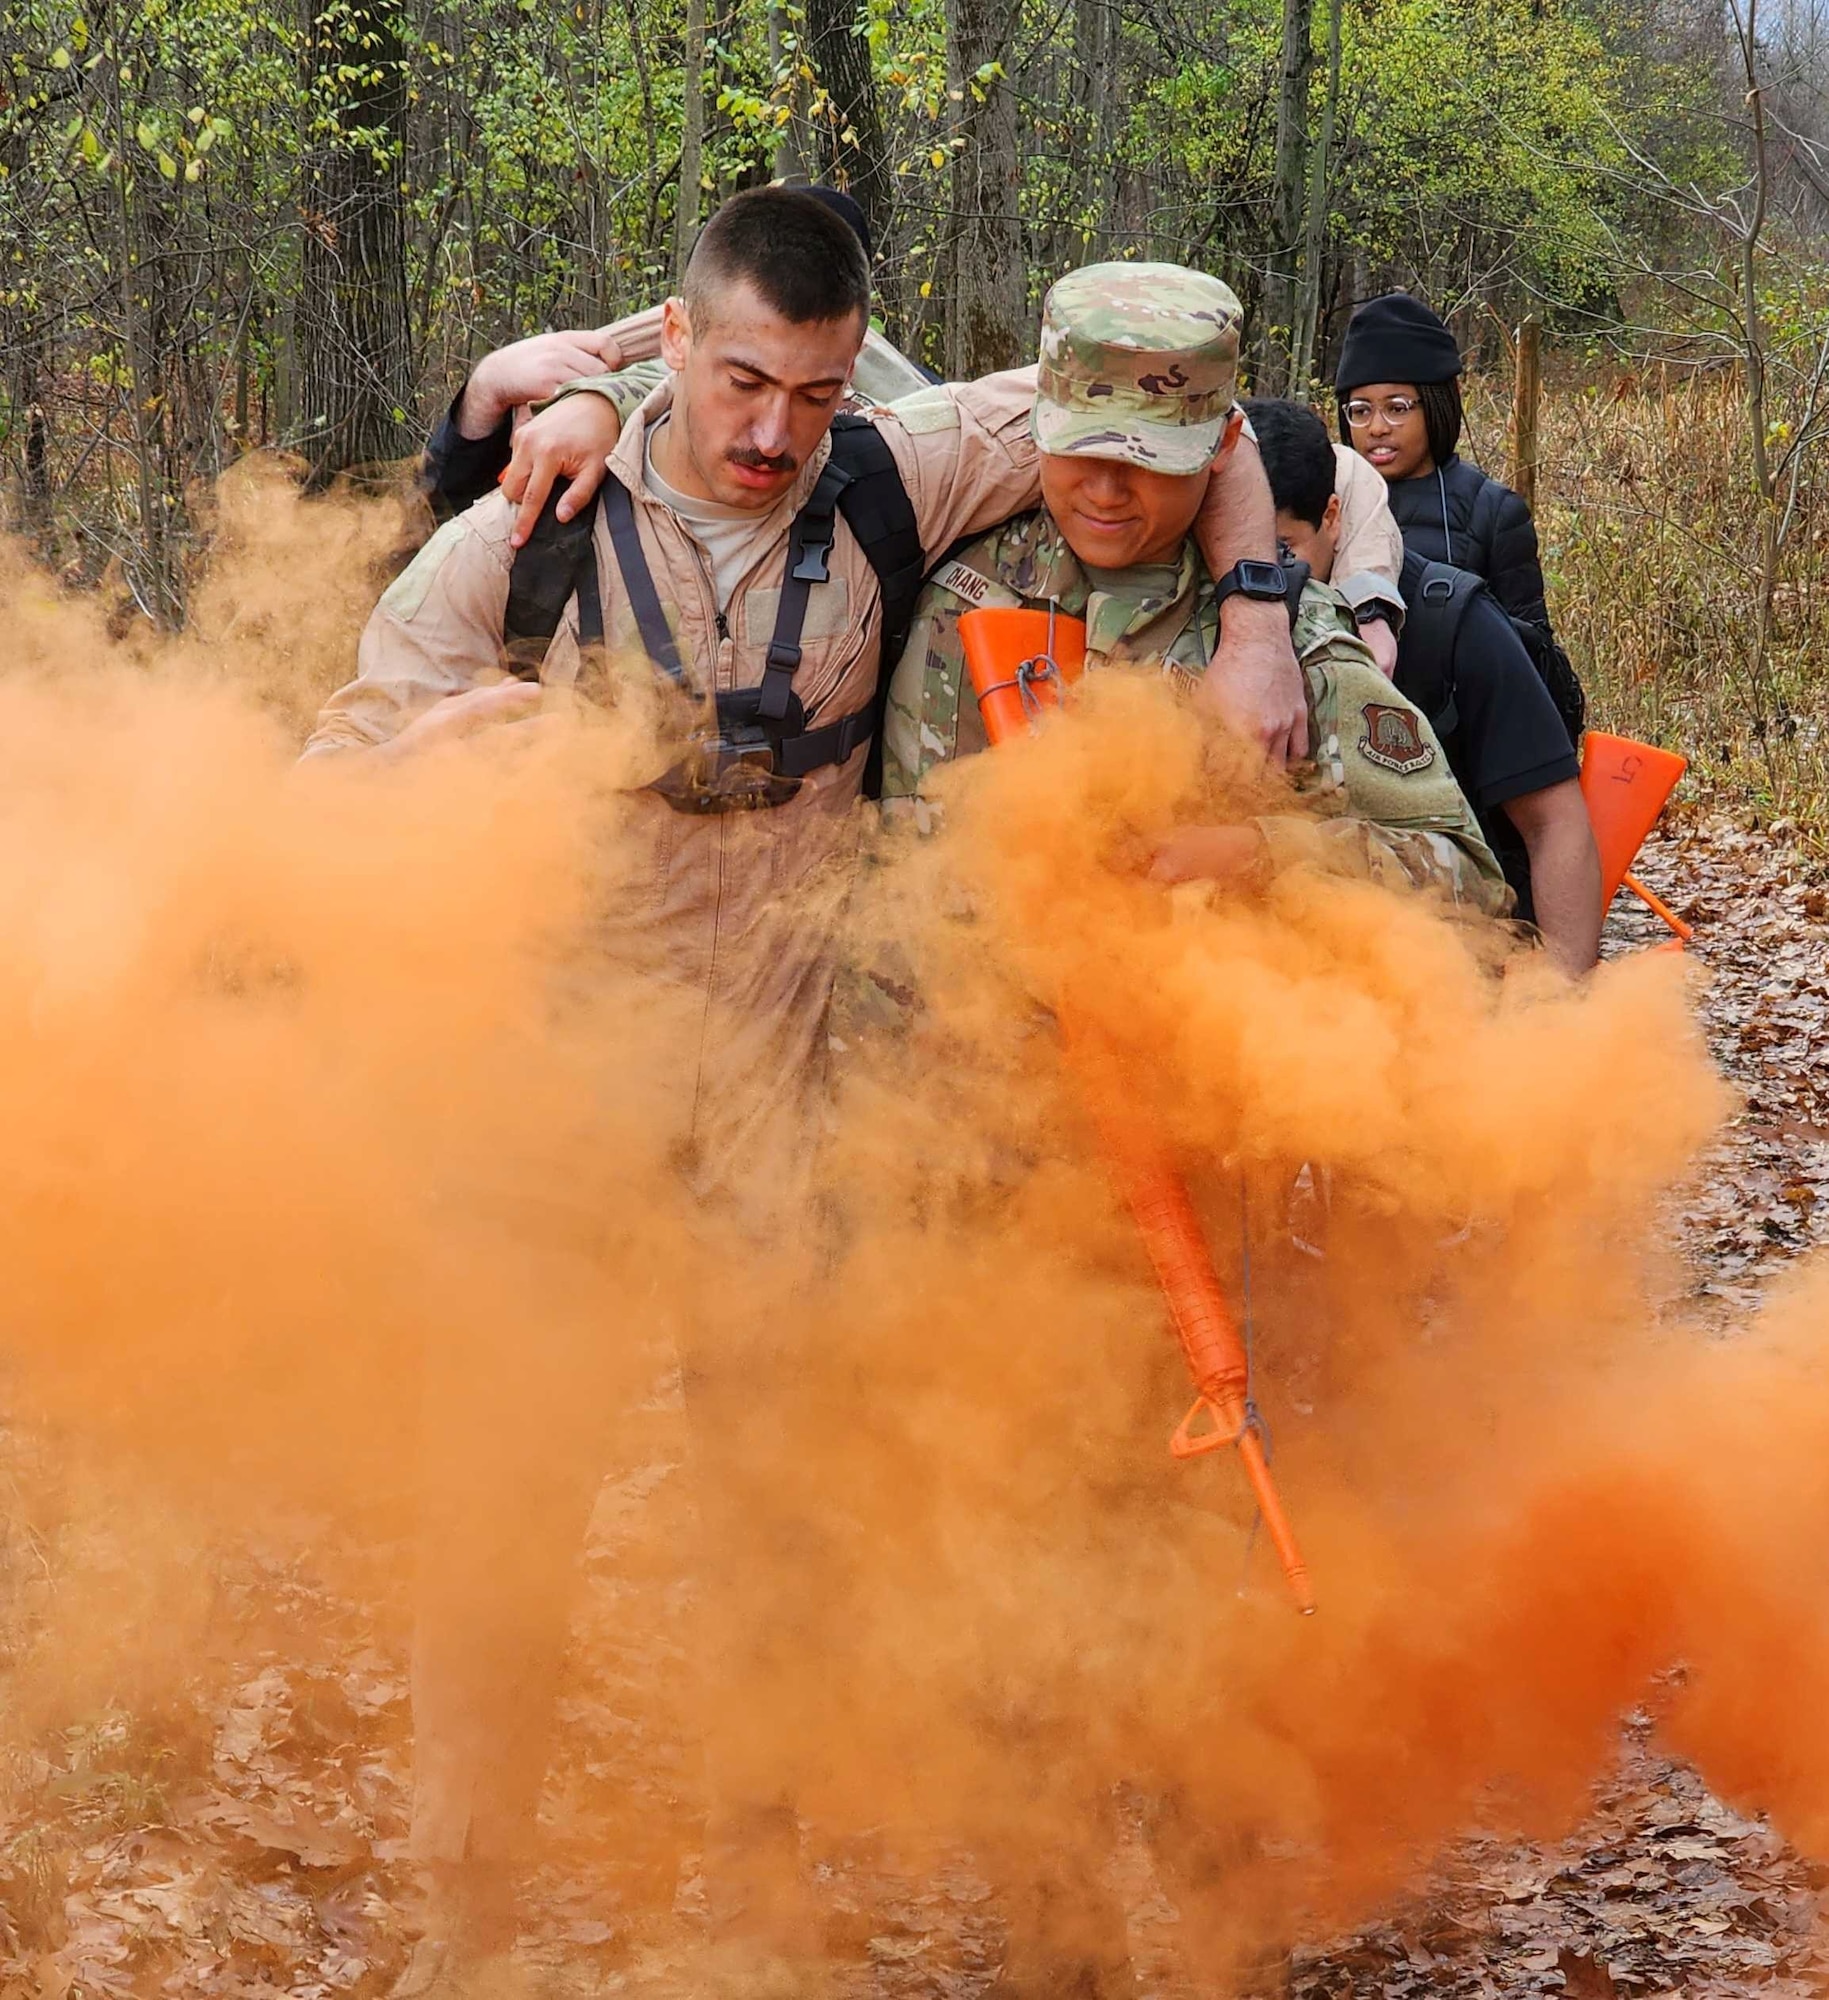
x=625 y=391
x=436 y=632
x=1404 y=818
x=965 y=454
x=1367 y=536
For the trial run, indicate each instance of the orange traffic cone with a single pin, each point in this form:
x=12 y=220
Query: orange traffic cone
x=1625 y=786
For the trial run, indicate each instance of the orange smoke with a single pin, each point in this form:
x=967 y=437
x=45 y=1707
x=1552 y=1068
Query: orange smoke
x=312 y=1073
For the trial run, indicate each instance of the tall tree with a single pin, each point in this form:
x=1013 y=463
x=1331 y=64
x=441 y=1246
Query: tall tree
x=1289 y=203
x=692 y=139
x=1314 y=231
x=988 y=283
x=352 y=338
x=851 y=149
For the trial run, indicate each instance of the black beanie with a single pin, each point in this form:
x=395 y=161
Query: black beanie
x=1395 y=339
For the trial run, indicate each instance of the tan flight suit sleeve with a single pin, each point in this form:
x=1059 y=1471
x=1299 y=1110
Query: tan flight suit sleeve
x=436 y=632
x=1368 y=537
x=639 y=336
x=966 y=455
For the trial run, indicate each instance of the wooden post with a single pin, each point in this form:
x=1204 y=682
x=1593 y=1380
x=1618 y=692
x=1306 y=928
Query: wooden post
x=1526 y=386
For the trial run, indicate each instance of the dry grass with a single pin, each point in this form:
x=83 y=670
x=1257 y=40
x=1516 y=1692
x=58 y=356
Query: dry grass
x=1649 y=522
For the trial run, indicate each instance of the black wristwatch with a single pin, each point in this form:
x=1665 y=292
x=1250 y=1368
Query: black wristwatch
x=1263 y=580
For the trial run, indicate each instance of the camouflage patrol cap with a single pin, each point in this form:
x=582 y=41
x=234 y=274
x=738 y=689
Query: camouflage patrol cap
x=1138 y=362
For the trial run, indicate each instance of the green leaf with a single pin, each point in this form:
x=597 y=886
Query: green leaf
x=60 y=58
x=168 y=166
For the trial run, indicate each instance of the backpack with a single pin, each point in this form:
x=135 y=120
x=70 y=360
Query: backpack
x=860 y=481
x=1437 y=596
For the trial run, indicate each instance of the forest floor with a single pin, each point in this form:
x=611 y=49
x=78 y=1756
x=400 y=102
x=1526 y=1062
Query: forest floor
x=247 y=1836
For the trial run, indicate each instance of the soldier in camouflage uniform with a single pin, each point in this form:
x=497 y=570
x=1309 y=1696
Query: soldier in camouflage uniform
x=1137 y=370
x=1138 y=365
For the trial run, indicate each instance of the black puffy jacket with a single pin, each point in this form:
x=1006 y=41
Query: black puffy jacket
x=1456 y=514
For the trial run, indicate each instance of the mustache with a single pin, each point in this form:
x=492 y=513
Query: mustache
x=760 y=461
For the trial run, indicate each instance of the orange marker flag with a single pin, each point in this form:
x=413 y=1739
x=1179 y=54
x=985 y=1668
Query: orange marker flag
x=1625 y=786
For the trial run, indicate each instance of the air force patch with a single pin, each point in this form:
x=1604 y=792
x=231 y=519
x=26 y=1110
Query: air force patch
x=1394 y=739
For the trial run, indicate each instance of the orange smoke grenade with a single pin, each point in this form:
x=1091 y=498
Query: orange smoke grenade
x=1021 y=662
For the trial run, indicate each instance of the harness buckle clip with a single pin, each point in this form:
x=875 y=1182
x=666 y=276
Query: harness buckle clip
x=811 y=568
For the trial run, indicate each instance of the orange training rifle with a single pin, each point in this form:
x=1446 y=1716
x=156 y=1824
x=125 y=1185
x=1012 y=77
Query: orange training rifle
x=1021 y=662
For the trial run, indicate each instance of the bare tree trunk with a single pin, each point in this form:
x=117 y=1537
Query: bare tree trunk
x=1527 y=384
x=788 y=161
x=1768 y=704
x=1096 y=83
x=155 y=583
x=1276 y=325
x=988 y=303
x=352 y=337
x=692 y=140
x=852 y=152
x=1314 y=236
x=650 y=132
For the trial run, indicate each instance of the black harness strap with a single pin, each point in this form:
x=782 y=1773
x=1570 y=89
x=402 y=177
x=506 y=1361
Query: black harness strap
x=637 y=579
x=860 y=482
x=809 y=552
x=831 y=743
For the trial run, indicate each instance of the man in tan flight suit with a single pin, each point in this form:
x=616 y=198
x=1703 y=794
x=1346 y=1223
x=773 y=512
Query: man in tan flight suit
x=711 y=487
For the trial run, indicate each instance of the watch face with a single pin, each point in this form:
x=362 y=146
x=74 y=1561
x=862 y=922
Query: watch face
x=1262 y=579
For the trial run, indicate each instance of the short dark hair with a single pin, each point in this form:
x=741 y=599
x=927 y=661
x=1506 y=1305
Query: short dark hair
x=1298 y=456
x=802 y=259
x=1443 y=416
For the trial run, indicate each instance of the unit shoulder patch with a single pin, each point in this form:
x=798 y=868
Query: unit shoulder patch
x=1393 y=739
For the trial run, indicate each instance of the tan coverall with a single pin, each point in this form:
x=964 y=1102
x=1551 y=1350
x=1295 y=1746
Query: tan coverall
x=736 y=914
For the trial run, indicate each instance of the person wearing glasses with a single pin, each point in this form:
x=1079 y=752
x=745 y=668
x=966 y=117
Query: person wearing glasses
x=1399 y=398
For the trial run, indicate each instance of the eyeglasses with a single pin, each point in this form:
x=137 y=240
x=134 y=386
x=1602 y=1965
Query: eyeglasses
x=1394 y=409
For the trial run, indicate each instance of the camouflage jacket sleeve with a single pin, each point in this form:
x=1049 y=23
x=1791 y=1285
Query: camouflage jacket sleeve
x=932 y=716
x=626 y=390
x=1383 y=802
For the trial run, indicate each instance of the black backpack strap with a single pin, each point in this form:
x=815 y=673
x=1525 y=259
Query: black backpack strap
x=554 y=565
x=881 y=516
x=1437 y=596
x=638 y=580
x=860 y=481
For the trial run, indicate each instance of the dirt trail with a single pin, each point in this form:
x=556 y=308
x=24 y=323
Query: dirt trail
x=249 y=1836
